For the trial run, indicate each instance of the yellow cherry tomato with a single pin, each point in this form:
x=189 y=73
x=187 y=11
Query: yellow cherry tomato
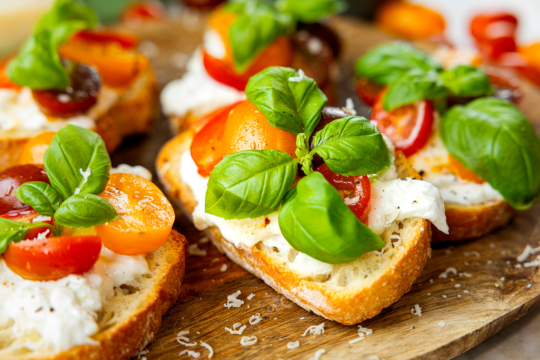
x=34 y=149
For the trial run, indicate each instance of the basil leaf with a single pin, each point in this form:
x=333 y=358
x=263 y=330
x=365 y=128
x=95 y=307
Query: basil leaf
x=257 y=25
x=291 y=102
x=352 y=146
x=15 y=231
x=38 y=64
x=41 y=196
x=249 y=184
x=412 y=87
x=388 y=62
x=310 y=11
x=7 y=238
x=77 y=162
x=315 y=221
x=84 y=211
x=466 y=80
x=493 y=139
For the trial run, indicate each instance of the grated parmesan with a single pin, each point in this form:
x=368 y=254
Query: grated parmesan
x=247 y=340
x=533 y=263
x=318 y=354
x=255 y=319
x=301 y=76
x=471 y=253
x=194 y=250
x=85 y=174
x=251 y=296
x=223 y=268
x=190 y=353
x=235 y=330
x=41 y=218
x=293 y=345
x=417 y=310
x=205 y=345
x=315 y=330
x=232 y=300
x=444 y=274
x=349 y=107
x=442 y=324
x=528 y=251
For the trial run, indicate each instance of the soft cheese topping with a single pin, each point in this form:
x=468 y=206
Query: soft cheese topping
x=430 y=162
x=392 y=199
x=197 y=92
x=63 y=313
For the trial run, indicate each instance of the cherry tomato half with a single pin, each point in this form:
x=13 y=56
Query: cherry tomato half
x=53 y=258
x=126 y=41
x=408 y=127
x=355 y=190
x=461 y=171
x=206 y=148
x=144 y=10
x=146 y=216
x=5 y=81
x=12 y=178
x=29 y=216
x=494 y=34
x=34 y=150
x=367 y=90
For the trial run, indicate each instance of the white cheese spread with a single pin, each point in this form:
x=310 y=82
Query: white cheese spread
x=391 y=200
x=58 y=315
x=430 y=161
x=133 y=170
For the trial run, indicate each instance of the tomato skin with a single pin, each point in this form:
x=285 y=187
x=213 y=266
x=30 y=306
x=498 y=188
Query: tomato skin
x=28 y=216
x=34 y=150
x=146 y=215
x=53 y=258
x=224 y=73
x=5 y=81
x=126 y=41
x=494 y=33
x=12 y=178
x=206 y=148
x=144 y=10
x=367 y=90
x=409 y=126
x=356 y=188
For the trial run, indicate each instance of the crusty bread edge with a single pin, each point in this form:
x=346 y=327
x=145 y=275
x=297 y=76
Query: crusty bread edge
x=348 y=310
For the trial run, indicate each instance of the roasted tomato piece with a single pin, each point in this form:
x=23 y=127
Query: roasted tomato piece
x=76 y=99
x=12 y=178
x=494 y=34
x=355 y=190
x=5 y=81
x=29 y=216
x=34 y=150
x=126 y=41
x=408 y=127
x=144 y=10
x=206 y=148
x=53 y=258
x=367 y=90
x=146 y=216
x=461 y=171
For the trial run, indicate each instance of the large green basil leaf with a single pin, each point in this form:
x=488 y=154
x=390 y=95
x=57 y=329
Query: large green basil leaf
x=38 y=64
x=249 y=184
x=466 y=80
x=84 y=211
x=493 y=139
x=41 y=196
x=315 y=221
x=257 y=25
x=290 y=101
x=413 y=86
x=77 y=162
x=352 y=146
x=386 y=63
x=310 y=11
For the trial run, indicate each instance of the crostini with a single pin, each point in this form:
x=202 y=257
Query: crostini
x=89 y=261
x=243 y=38
x=310 y=199
x=67 y=73
x=459 y=129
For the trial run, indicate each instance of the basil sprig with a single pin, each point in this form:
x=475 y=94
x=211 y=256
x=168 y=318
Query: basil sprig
x=253 y=183
x=492 y=138
x=14 y=231
x=412 y=75
x=38 y=64
x=315 y=221
x=259 y=23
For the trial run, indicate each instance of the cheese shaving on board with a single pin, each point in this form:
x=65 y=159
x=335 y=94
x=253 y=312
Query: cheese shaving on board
x=317 y=355
x=235 y=330
x=205 y=345
x=442 y=324
x=315 y=330
x=361 y=336
x=528 y=251
x=417 y=310
x=471 y=253
x=293 y=344
x=444 y=274
x=533 y=263
x=248 y=340
x=255 y=319
x=250 y=296
x=223 y=268
x=190 y=353
x=232 y=300
x=194 y=250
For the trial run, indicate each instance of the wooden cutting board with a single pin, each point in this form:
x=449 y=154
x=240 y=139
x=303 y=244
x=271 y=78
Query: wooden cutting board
x=488 y=292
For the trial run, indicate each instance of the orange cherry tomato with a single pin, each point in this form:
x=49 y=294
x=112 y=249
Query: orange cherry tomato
x=126 y=41
x=144 y=10
x=410 y=21
x=206 y=148
x=34 y=150
x=5 y=81
x=527 y=62
x=494 y=34
x=356 y=189
x=29 y=216
x=409 y=126
x=461 y=171
x=53 y=258
x=248 y=129
x=146 y=216
x=367 y=90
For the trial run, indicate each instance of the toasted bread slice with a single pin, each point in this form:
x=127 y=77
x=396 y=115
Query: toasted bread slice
x=130 y=319
x=132 y=114
x=353 y=292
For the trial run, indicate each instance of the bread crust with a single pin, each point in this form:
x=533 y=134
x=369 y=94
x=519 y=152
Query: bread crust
x=473 y=221
x=343 y=307
x=132 y=114
x=128 y=337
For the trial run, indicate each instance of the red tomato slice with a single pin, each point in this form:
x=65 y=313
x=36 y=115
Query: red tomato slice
x=53 y=258
x=12 y=178
x=126 y=41
x=206 y=145
x=409 y=126
x=144 y=10
x=29 y=216
x=367 y=90
x=494 y=33
x=224 y=73
x=356 y=191
x=5 y=81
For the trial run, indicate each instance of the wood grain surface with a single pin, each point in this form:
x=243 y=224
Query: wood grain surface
x=488 y=292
